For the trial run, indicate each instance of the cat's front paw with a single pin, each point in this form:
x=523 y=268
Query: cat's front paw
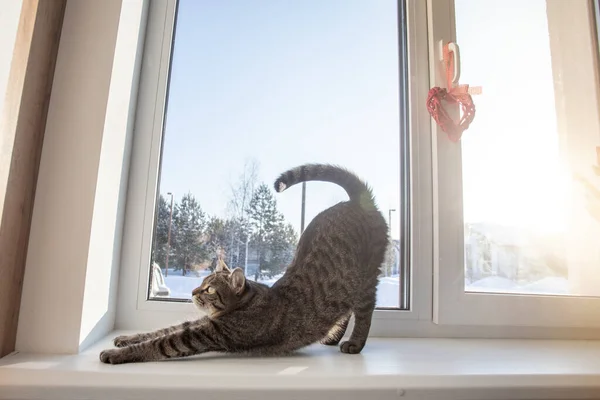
x=112 y=356
x=124 y=341
x=352 y=347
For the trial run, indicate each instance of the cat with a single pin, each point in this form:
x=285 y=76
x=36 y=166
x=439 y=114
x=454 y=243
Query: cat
x=333 y=275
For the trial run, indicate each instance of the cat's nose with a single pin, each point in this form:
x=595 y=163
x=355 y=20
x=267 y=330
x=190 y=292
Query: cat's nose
x=196 y=291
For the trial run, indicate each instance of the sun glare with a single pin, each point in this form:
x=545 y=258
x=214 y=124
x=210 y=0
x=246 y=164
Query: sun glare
x=517 y=190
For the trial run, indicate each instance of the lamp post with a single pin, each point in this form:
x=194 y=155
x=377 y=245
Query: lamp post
x=169 y=236
x=390 y=220
x=246 y=256
x=391 y=243
x=303 y=207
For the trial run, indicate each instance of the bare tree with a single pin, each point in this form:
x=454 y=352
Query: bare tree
x=241 y=194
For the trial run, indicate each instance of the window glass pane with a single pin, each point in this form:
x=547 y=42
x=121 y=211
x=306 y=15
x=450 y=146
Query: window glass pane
x=526 y=227
x=256 y=88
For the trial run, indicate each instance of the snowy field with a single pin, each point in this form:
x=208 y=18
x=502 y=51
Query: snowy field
x=388 y=291
x=498 y=284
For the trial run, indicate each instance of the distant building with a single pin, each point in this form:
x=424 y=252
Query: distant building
x=510 y=252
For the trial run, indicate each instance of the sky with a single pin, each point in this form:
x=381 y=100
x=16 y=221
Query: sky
x=284 y=83
x=290 y=82
x=512 y=171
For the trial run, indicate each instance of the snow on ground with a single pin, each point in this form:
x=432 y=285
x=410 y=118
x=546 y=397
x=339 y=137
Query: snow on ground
x=549 y=285
x=498 y=284
x=388 y=291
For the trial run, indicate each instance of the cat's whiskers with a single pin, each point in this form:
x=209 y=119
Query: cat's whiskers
x=197 y=302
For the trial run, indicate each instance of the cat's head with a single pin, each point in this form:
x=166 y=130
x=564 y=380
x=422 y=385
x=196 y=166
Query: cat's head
x=220 y=291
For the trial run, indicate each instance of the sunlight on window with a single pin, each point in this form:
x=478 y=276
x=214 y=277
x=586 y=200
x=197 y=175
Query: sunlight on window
x=518 y=185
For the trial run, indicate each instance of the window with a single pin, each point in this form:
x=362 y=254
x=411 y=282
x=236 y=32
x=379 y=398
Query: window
x=515 y=179
x=490 y=231
x=255 y=89
x=522 y=225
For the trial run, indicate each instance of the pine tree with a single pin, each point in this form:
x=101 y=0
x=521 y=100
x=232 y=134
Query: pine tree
x=264 y=219
x=190 y=224
x=281 y=245
x=163 y=213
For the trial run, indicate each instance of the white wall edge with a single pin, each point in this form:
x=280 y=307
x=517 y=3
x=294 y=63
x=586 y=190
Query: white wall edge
x=75 y=231
x=101 y=282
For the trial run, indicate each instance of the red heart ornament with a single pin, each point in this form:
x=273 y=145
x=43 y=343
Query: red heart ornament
x=459 y=94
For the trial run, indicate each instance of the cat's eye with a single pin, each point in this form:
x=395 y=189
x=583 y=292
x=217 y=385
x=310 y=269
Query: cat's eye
x=210 y=290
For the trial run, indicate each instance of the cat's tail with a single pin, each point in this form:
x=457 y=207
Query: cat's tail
x=357 y=190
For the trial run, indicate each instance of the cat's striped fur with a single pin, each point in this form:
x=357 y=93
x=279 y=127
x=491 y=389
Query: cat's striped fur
x=333 y=275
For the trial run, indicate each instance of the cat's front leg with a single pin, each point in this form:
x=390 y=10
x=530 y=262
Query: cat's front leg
x=195 y=339
x=128 y=340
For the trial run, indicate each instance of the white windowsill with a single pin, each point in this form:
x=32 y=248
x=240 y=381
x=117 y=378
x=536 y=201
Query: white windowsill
x=387 y=368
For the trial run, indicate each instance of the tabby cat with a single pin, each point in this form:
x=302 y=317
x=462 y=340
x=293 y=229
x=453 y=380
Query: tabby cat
x=333 y=275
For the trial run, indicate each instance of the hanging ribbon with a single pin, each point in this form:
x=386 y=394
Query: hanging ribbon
x=459 y=94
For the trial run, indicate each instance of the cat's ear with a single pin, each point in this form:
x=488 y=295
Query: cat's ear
x=221 y=266
x=238 y=280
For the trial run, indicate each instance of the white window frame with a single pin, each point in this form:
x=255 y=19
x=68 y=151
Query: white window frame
x=454 y=306
x=136 y=311
x=439 y=307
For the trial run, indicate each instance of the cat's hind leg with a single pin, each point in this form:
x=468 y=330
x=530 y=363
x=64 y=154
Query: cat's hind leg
x=363 y=312
x=336 y=333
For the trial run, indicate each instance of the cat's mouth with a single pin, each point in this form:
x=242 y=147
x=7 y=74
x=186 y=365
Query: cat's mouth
x=204 y=307
x=198 y=302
